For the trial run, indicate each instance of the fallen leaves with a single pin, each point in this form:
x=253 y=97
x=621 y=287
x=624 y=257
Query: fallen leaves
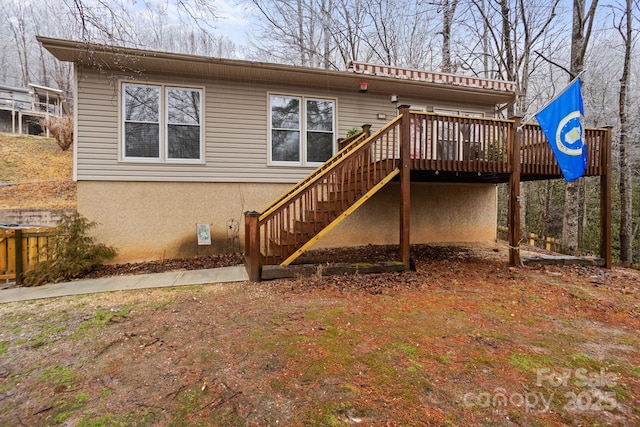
x=39 y=195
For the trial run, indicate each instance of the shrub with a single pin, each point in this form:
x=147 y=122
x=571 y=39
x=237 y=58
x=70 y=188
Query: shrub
x=72 y=254
x=61 y=128
x=353 y=131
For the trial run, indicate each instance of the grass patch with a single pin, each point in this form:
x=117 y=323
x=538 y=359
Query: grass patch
x=529 y=363
x=61 y=377
x=582 y=360
x=145 y=418
x=101 y=319
x=441 y=358
x=163 y=304
x=33 y=158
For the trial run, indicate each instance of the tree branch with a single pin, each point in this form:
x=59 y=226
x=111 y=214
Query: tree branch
x=556 y=64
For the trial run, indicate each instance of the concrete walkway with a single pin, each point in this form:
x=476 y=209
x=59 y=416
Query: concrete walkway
x=121 y=283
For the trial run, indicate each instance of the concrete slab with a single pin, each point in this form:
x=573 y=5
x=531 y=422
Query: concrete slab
x=120 y=283
x=544 y=259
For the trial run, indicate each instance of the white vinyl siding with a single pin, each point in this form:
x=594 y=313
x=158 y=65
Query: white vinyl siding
x=234 y=124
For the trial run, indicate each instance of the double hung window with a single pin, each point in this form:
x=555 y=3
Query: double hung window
x=161 y=123
x=302 y=130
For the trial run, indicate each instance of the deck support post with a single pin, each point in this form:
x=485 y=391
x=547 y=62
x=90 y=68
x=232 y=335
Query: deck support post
x=405 y=187
x=19 y=249
x=366 y=128
x=605 y=199
x=514 y=193
x=253 y=258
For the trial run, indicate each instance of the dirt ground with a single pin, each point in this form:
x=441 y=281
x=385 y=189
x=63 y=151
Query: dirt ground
x=464 y=340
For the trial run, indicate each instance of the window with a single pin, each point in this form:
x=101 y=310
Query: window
x=142 y=121
x=457 y=139
x=302 y=130
x=162 y=123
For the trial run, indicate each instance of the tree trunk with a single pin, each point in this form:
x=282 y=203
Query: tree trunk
x=545 y=208
x=626 y=218
x=580 y=33
x=301 y=38
x=449 y=10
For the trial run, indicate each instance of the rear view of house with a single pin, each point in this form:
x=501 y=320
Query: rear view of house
x=167 y=141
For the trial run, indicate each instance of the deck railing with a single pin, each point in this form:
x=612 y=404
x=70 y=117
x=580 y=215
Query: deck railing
x=442 y=142
x=538 y=158
x=504 y=149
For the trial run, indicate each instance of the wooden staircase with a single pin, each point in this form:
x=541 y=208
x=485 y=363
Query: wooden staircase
x=314 y=206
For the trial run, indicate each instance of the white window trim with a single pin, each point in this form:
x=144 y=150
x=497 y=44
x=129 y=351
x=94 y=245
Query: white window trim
x=164 y=122
x=302 y=128
x=166 y=125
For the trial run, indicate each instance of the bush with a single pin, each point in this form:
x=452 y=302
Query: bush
x=61 y=128
x=72 y=254
x=353 y=131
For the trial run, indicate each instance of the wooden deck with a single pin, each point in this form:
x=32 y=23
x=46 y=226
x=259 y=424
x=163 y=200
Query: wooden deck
x=25 y=106
x=417 y=146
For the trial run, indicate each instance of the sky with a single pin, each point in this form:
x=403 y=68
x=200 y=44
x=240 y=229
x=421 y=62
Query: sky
x=234 y=22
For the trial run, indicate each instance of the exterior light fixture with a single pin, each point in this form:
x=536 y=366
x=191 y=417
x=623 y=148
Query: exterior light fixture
x=364 y=86
x=394 y=98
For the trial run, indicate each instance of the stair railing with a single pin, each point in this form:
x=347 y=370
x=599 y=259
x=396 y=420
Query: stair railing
x=346 y=146
x=301 y=213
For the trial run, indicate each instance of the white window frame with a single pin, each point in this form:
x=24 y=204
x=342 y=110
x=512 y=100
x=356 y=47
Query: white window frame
x=163 y=122
x=302 y=129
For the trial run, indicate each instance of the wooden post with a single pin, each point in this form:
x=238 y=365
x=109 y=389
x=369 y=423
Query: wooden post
x=18 y=237
x=605 y=199
x=514 y=193
x=253 y=257
x=367 y=130
x=405 y=187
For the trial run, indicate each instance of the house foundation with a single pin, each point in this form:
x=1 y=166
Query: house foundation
x=157 y=220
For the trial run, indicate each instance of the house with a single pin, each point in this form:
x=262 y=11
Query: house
x=167 y=141
x=23 y=109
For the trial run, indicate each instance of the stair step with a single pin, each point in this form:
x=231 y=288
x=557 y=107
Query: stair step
x=331 y=206
x=339 y=192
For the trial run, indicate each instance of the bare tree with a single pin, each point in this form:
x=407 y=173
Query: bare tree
x=580 y=34
x=347 y=27
x=17 y=18
x=625 y=28
x=448 y=10
x=401 y=33
x=511 y=38
x=331 y=33
x=286 y=33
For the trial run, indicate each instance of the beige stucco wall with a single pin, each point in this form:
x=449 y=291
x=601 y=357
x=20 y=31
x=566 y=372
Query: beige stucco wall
x=156 y=220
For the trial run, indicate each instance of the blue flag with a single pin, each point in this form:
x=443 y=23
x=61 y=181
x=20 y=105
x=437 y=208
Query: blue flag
x=561 y=122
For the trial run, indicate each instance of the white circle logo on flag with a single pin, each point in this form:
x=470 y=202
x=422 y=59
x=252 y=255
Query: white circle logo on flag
x=569 y=134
